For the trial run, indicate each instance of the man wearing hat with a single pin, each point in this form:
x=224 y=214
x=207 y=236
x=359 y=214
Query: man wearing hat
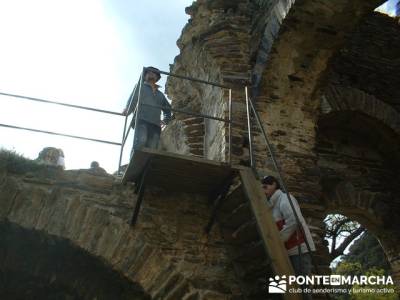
x=152 y=102
x=291 y=234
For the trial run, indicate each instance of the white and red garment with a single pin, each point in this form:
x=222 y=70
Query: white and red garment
x=285 y=220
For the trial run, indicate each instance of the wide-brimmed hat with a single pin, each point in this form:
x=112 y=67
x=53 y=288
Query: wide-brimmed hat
x=153 y=70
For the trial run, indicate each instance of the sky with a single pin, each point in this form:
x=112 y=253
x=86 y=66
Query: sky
x=88 y=53
x=388 y=7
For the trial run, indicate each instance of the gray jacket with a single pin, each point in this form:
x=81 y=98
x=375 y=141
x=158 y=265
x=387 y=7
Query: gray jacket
x=149 y=99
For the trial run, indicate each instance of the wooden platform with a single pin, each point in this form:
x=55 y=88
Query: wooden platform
x=175 y=172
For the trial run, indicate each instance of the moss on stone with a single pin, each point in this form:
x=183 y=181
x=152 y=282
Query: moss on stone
x=12 y=162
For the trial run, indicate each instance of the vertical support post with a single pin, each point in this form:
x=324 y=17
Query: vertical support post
x=122 y=145
x=230 y=126
x=138 y=104
x=140 y=194
x=249 y=128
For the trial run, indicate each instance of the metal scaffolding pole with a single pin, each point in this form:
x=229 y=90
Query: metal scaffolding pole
x=60 y=134
x=230 y=126
x=248 y=109
x=61 y=103
x=138 y=104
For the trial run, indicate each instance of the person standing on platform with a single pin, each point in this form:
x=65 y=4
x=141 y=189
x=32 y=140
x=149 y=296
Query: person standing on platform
x=152 y=102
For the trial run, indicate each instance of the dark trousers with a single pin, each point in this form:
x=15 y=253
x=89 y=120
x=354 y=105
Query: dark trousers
x=146 y=135
x=302 y=266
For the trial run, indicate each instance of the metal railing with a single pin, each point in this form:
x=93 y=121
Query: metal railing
x=139 y=105
x=62 y=104
x=134 y=120
x=251 y=110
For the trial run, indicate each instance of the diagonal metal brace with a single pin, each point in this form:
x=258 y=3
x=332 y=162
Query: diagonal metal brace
x=140 y=193
x=218 y=198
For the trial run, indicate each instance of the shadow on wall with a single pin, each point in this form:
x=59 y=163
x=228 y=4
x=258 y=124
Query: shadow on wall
x=39 y=266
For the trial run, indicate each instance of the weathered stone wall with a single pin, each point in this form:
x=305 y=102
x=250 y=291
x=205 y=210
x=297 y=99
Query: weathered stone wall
x=166 y=253
x=289 y=103
x=358 y=144
x=370 y=60
x=214 y=47
x=228 y=43
x=320 y=44
x=357 y=178
x=332 y=143
x=173 y=138
x=35 y=265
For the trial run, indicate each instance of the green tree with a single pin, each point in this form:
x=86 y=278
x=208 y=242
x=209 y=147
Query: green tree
x=365 y=257
x=341 y=232
x=368 y=252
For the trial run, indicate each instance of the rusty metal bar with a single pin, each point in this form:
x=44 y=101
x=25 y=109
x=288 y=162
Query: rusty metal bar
x=249 y=127
x=190 y=113
x=230 y=126
x=138 y=105
x=122 y=145
x=60 y=134
x=60 y=103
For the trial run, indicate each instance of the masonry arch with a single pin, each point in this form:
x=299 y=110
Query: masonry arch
x=351 y=118
x=371 y=211
x=309 y=37
x=35 y=265
x=92 y=214
x=357 y=146
x=342 y=231
x=339 y=98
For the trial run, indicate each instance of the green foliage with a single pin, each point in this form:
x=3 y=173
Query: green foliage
x=365 y=257
x=346 y=268
x=370 y=296
x=368 y=253
x=12 y=162
x=373 y=296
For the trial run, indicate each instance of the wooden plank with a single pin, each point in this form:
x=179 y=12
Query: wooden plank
x=166 y=160
x=177 y=172
x=200 y=176
x=267 y=227
x=196 y=173
x=136 y=166
x=178 y=185
x=192 y=159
